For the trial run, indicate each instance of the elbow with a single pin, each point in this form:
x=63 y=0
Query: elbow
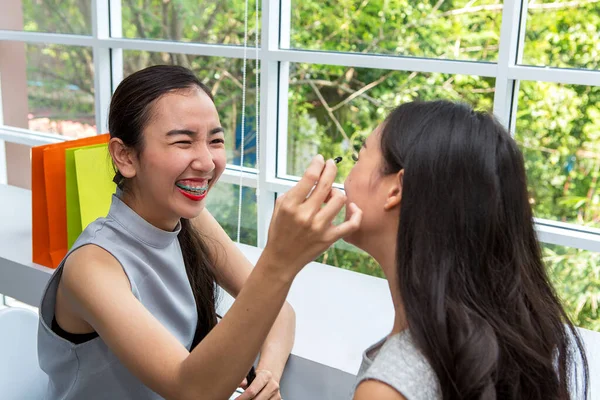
x=193 y=394
x=185 y=387
x=290 y=315
x=190 y=385
x=189 y=392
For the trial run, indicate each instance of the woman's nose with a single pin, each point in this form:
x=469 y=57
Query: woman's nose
x=203 y=160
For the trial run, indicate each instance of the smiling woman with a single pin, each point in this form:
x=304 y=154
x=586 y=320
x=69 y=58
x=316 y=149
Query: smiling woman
x=159 y=254
x=182 y=152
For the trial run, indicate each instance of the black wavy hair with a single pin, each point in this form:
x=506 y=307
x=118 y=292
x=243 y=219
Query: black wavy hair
x=475 y=290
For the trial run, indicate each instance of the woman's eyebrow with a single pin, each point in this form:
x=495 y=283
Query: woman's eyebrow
x=187 y=132
x=191 y=133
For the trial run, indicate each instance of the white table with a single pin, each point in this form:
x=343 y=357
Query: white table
x=338 y=312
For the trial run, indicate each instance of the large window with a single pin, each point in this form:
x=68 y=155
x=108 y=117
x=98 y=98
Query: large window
x=327 y=72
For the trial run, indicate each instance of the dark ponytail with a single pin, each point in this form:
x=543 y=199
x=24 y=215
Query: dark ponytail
x=202 y=279
x=131 y=108
x=477 y=298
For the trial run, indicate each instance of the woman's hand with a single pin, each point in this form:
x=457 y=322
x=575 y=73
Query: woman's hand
x=264 y=387
x=301 y=227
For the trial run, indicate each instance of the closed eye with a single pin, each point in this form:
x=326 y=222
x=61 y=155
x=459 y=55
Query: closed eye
x=184 y=142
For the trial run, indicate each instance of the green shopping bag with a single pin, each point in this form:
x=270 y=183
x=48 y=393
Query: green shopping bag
x=90 y=186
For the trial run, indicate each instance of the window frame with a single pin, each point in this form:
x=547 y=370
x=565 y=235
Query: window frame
x=270 y=177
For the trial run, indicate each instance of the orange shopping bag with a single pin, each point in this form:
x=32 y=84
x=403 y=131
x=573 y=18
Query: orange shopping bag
x=49 y=208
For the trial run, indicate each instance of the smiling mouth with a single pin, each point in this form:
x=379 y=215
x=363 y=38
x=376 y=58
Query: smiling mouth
x=193 y=190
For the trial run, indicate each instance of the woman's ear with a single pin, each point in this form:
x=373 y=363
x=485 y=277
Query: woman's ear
x=395 y=193
x=123 y=157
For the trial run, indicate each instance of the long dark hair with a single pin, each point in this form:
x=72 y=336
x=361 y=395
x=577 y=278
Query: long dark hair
x=131 y=109
x=477 y=298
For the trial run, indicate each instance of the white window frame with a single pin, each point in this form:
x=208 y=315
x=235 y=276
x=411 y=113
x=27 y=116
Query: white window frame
x=271 y=178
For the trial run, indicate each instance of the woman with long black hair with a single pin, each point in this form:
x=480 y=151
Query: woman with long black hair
x=446 y=214
x=130 y=312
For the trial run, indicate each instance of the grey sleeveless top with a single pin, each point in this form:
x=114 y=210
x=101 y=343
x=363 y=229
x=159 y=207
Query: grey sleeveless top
x=153 y=263
x=397 y=362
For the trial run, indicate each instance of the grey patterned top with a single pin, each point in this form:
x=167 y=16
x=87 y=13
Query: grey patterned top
x=397 y=362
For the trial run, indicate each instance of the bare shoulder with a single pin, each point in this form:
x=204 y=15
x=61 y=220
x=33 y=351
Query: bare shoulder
x=91 y=266
x=372 y=389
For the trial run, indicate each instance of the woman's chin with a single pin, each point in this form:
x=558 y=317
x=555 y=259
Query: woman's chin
x=191 y=212
x=351 y=239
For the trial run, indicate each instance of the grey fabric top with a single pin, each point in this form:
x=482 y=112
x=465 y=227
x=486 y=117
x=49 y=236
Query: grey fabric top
x=153 y=263
x=397 y=362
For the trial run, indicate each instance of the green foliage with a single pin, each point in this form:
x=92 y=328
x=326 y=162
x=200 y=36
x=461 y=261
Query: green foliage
x=557 y=127
x=576 y=276
x=332 y=108
x=562 y=36
x=450 y=29
x=223 y=204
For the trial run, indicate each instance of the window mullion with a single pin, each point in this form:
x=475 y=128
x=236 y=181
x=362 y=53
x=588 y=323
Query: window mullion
x=508 y=56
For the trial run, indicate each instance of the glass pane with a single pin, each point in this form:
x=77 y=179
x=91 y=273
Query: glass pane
x=224 y=78
x=452 y=30
x=563 y=34
x=346 y=256
x=211 y=21
x=222 y=202
x=59 y=83
x=557 y=129
x=52 y=16
x=575 y=274
x=332 y=109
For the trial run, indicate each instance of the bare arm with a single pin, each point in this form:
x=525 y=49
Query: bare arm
x=369 y=390
x=97 y=289
x=233 y=269
x=96 y=286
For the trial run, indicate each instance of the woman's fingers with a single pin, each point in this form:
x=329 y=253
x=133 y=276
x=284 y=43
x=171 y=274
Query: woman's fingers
x=263 y=387
x=301 y=228
x=269 y=392
x=335 y=201
x=298 y=193
x=347 y=227
x=323 y=189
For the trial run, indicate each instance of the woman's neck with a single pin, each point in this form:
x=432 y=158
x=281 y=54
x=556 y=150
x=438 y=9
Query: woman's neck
x=387 y=261
x=145 y=212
